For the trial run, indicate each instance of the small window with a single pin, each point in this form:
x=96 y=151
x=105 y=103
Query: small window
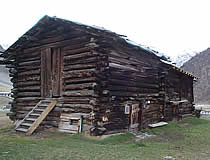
x=127 y=109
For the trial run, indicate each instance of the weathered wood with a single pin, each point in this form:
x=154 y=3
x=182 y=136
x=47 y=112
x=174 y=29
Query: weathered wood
x=30 y=88
x=46 y=83
x=80 y=80
x=80 y=93
x=32 y=63
x=59 y=44
x=94 y=72
x=27 y=73
x=80 y=86
x=27 y=68
x=24 y=59
x=80 y=66
x=78 y=56
x=119 y=66
x=28 y=94
x=76 y=51
x=41 y=118
x=79 y=73
x=27 y=83
x=77 y=106
x=84 y=60
x=28 y=78
x=132 y=83
x=56 y=72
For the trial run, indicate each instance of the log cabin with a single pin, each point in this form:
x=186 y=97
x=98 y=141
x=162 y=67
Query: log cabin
x=82 y=78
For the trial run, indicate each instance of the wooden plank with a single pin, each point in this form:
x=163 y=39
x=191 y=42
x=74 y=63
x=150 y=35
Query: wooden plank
x=42 y=73
x=31 y=72
x=80 y=80
x=80 y=56
x=80 y=93
x=46 y=73
x=36 y=62
x=26 y=124
x=28 y=94
x=55 y=72
x=78 y=50
x=158 y=124
x=22 y=129
x=80 y=86
x=61 y=72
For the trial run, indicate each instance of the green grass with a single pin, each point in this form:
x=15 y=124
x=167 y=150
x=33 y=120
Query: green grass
x=188 y=139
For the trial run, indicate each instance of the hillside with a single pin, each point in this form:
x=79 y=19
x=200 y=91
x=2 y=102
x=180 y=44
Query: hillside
x=1 y=49
x=199 y=65
x=4 y=74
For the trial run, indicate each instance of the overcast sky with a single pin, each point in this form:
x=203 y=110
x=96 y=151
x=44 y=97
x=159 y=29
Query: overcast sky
x=170 y=26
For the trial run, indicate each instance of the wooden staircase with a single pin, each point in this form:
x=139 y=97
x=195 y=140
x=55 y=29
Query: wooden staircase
x=33 y=119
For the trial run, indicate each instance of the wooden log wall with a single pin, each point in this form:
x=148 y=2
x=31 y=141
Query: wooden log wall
x=132 y=77
x=187 y=92
x=178 y=87
x=25 y=75
x=79 y=76
x=100 y=76
x=151 y=114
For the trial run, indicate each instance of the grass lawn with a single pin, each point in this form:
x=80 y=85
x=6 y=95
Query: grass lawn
x=188 y=139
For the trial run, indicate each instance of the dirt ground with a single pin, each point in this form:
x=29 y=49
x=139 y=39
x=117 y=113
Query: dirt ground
x=207 y=118
x=41 y=132
x=5 y=122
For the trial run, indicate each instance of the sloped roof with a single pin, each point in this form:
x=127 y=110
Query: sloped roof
x=41 y=25
x=35 y=30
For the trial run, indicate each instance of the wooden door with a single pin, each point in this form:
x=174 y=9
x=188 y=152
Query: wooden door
x=134 y=116
x=51 y=72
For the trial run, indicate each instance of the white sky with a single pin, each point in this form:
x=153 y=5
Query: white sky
x=170 y=26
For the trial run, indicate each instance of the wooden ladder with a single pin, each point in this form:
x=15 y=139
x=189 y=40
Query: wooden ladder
x=33 y=119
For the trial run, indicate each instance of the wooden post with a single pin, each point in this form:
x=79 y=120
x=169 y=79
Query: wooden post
x=80 y=126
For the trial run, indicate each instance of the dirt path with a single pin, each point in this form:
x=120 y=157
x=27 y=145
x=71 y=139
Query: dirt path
x=5 y=122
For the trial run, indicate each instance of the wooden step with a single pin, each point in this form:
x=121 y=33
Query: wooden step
x=39 y=109
x=30 y=119
x=44 y=105
x=26 y=124
x=35 y=114
x=22 y=129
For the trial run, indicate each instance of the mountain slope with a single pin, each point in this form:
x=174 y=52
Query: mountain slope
x=1 y=49
x=181 y=59
x=4 y=75
x=199 y=66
